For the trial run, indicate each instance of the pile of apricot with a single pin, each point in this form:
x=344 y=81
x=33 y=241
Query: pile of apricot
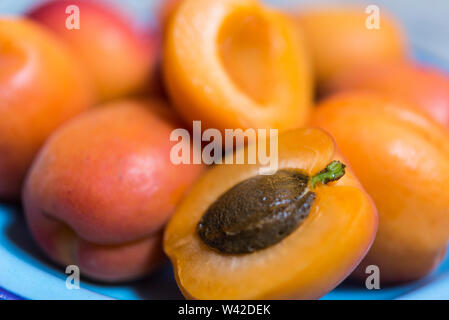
x=90 y=103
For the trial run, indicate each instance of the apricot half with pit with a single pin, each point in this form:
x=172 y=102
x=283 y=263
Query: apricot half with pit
x=294 y=234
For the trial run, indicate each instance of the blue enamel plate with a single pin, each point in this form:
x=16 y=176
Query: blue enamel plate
x=25 y=273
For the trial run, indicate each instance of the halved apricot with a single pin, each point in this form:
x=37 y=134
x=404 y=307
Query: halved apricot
x=305 y=264
x=402 y=159
x=236 y=64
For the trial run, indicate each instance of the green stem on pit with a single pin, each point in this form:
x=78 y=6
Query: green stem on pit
x=334 y=171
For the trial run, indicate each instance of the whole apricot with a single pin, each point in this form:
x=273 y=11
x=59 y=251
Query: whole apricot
x=295 y=234
x=236 y=64
x=118 y=57
x=40 y=88
x=401 y=157
x=165 y=11
x=102 y=188
x=340 y=40
x=422 y=86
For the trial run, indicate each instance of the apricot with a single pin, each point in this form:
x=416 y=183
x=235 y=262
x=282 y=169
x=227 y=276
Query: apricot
x=339 y=40
x=401 y=157
x=40 y=88
x=418 y=85
x=165 y=11
x=103 y=187
x=118 y=57
x=231 y=237
x=236 y=64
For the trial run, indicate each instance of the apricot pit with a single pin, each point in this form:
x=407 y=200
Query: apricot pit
x=261 y=211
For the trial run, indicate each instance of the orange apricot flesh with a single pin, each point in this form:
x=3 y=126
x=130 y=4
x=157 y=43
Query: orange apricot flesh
x=236 y=64
x=307 y=264
x=401 y=157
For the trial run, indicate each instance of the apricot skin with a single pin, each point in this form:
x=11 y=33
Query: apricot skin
x=103 y=187
x=165 y=12
x=119 y=58
x=221 y=66
x=421 y=86
x=307 y=264
x=40 y=88
x=339 y=40
x=401 y=157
